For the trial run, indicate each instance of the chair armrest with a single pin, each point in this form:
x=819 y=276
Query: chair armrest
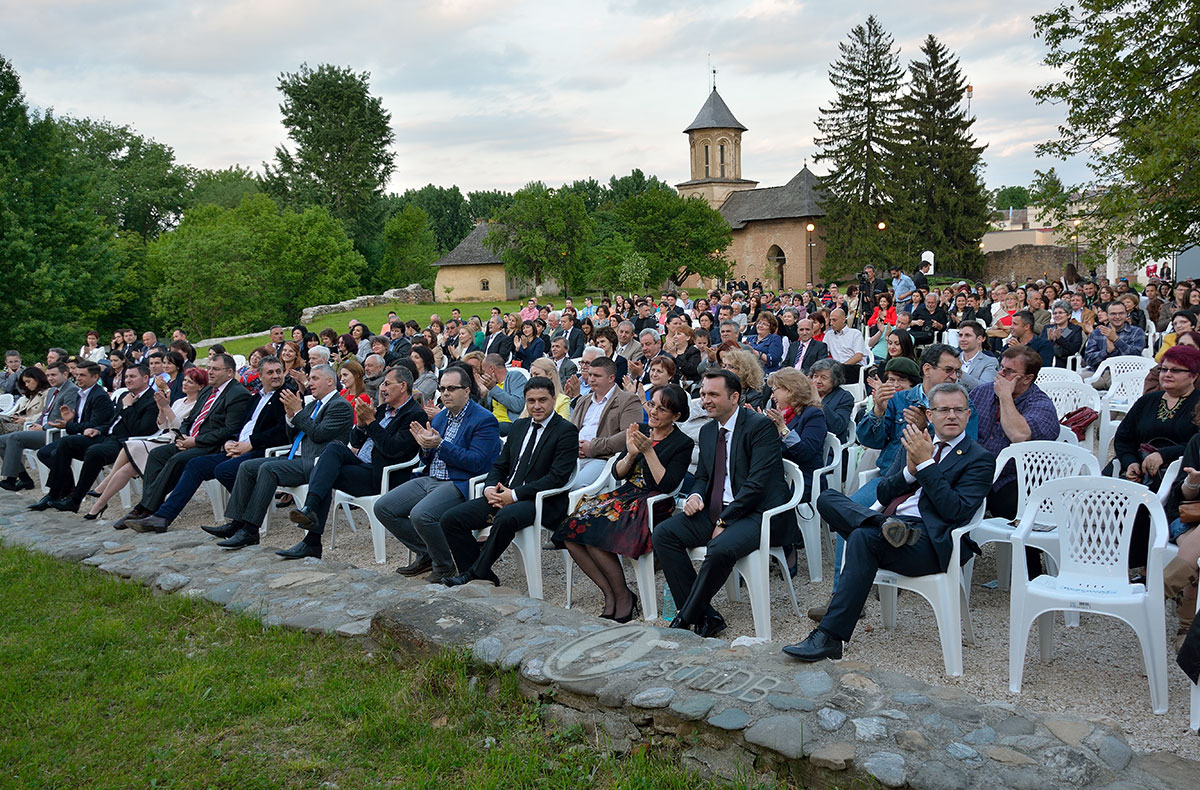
x=386 y=479
x=540 y=498
x=475 y=485
x=605 y=482
x=273 y=452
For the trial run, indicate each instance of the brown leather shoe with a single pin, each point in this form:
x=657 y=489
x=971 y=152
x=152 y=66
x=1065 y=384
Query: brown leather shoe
x=422 y=563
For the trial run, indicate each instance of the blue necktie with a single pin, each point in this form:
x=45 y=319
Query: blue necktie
x=300 y=436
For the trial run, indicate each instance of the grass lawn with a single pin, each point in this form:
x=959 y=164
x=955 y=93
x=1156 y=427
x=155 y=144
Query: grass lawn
x=106 y=685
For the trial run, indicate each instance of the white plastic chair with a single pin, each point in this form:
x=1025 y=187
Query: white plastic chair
x=1068 y=396
x=1047 y=375
x=1094 y=518
x=527 y=541
x=857 y=389
x=1036 y=463
x=643 y=566
x=344 y=501
x=1067 y=436
x=1121 y=365
x=754 y=568
x=807 y=517
x=7 y=402
x=521 y=371
x=1122 y=392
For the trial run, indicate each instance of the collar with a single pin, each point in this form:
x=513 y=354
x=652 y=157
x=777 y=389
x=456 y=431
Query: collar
x=606 y=397
x=955 y=442
x=325 y=401
x=732 y=421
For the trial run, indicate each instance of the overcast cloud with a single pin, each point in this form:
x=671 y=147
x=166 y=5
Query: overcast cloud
x=490 y=95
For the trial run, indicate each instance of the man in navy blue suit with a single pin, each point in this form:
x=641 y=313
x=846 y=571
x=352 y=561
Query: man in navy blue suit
x=935 y=485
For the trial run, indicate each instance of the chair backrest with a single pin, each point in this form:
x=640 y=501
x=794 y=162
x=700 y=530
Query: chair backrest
x=118 y=393
x=1065 y=434
x=1118 y=366
x=1126 y=388
x=1039 y=462
x=1095 y=517
x=1168 y=481
x=1070 y=395
x=1046 y=375
x=6 y=401
x=522 y=371
x=857 y=389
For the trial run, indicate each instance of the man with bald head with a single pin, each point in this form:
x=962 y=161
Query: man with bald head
x=846 y=345
x=804 y=351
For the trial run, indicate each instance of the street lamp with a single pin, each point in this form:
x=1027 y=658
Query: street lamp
x=882 y=226
x=1075 y=239
x=810 y=228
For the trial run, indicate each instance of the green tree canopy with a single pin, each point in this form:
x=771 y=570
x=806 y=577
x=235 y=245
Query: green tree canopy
x=1015 y=197
x=621 y=189
x=225 y=188
x=1130 y=74
x=447 y=209
x=543 y=235
x=678 y=237
x=410 y=247
x=483 y=204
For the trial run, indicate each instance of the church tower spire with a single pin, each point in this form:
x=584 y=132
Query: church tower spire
x=715 y=141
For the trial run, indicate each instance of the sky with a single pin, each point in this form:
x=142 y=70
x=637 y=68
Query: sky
x=491 y=94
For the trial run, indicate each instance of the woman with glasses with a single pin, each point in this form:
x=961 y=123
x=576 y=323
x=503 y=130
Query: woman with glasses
x=602 y=527
x=1065 y=336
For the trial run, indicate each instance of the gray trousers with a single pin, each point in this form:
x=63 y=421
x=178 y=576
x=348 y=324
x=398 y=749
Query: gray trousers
x=254 y=490
x=413 y=511
x=11 y=445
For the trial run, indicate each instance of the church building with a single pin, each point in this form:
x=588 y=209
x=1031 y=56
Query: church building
x=777 y=231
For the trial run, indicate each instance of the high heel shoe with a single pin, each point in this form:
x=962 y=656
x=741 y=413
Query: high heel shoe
x=93 y=494
x=94 y=516
x=633 y=610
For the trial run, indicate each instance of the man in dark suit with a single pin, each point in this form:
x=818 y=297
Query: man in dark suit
x=927 y=318
x=539 y=455
x=558 y=355
x=496 y=341
x=98 y=447
x=573 y=335
x=383 y=437
x=739 y=476
x=94 y=409
x=804 y=351
x=313 y=427
x=62 y=392
x=216 y=418
x=934 y=486
x=264 y=427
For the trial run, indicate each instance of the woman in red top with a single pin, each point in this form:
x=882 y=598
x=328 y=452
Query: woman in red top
x=353 y=389
x=884 y=310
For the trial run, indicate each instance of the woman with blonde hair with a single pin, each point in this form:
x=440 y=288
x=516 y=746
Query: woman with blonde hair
x=544 y=367
x=745 y=366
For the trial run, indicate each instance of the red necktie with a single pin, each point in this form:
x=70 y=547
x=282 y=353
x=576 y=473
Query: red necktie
x=895 y=504
x=203 y=413
x=716 y=498
x=49 y=406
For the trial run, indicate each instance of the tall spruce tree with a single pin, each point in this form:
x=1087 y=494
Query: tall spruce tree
x=939 y=199
x=858 y=138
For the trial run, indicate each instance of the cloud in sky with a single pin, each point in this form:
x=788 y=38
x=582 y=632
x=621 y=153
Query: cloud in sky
x=489 y=94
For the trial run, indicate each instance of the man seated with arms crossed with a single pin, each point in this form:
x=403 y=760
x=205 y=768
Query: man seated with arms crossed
x=314 y=427
x=504 y=391
x=216 y=418
x=602 y=419
x=539 y=456
x=62 y=393
x=934 y=486
x=461 y=442
x=739 y=476
x=383 y=438
x=263 y=428
x=95 y=410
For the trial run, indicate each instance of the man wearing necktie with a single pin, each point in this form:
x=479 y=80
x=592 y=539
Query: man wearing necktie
x=382 y=438
x=63 y=392
x=312 y=427
x=804 y=351
x=935 y=485
x=739 y=476
x=539 y=455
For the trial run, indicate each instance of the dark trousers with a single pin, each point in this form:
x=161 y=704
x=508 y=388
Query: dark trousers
x=213 y=466
x=692 y=591
x=338 y=468
x=96 y=452
x=164 y=467
x=459 y=521
x=866 y=552
x=1002 y=503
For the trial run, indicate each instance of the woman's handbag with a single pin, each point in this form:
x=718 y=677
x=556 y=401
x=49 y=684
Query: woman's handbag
x=1079 y=420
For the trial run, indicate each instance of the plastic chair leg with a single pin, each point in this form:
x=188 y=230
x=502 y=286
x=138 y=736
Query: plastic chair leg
x=643 y=568
x=528 y=543
x=949 y=622
x=378 y=536
x=781 y=558
x=810 y=532
x=758 y=585
x=1003 y=565
x=1045 y=623
x=570 y=566
x=887 y=605
x=126 y=501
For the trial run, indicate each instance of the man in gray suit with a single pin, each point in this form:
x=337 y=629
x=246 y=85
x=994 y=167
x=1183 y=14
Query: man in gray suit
x=63 y=392
x=558 y=355
x=312 y=427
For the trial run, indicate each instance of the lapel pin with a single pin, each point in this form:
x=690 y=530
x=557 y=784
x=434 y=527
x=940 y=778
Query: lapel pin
x=958 y=452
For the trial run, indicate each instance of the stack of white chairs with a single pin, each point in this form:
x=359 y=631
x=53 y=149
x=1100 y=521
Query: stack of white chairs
x=808 y=519
x=1071 y=395
x=1123 y=391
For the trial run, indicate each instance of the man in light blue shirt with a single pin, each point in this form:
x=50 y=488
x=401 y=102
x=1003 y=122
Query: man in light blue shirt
x=903 y=288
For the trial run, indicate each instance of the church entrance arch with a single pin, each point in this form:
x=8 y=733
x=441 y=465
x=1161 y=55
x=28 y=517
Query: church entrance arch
x=777 y=260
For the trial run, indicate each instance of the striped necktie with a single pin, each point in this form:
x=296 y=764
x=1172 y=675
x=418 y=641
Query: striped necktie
x=204 y=410
x=49 y=406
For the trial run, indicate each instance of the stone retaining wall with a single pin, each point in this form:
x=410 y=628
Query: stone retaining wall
x=740 y=711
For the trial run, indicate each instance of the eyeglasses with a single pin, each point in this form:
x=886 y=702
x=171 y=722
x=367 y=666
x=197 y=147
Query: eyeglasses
x=956 y=410
x=1176 y=371
x=949 y=371
x=1010 y=373
x=449 y=388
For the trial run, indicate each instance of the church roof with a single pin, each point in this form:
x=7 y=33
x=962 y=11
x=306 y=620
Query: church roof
x=714 y=115
x=471 y=250
x=800 y=197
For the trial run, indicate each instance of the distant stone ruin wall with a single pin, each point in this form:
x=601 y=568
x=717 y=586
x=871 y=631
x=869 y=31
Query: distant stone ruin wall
x=1044 y=261
x=413 y=294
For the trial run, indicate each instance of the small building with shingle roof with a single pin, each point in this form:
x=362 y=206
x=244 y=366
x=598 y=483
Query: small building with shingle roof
x=473 y=272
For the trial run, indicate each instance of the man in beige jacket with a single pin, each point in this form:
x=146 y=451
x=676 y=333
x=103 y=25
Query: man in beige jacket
x=602 y=417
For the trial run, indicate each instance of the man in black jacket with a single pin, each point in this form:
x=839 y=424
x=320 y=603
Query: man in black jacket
x=216 y=418
x=98 y=447
x=804 y=351
x=927 y=318
x=496 y=341
x=739 y=477
x=539 y=455
x=263 y=428
x=383 y=438
x=94 y=410
x=935 y=485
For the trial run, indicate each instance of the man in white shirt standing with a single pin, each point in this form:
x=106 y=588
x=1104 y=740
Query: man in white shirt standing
x=846 y=345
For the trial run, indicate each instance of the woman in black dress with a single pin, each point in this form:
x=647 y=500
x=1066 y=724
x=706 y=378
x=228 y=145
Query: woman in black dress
x=601 y=527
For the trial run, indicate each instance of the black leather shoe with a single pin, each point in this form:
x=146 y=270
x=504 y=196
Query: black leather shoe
x=223 y=531
x=42 y=504
x=300 y=551
x=137 y=512
x=25 y=483
x=422 y=564
x=679 y=622
x=9 y=484
x=470 y=576
x=712 y=625
x=817 y=646
x=65 y=505
x=150 y=523
x=240 y=539
x=303 y=518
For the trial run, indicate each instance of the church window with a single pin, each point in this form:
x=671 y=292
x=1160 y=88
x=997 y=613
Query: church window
x=484 y=285
x=706 y=161
x=722 y=155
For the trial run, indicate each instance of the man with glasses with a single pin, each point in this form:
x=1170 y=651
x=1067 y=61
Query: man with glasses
x=935 y=485
x=1118 y=339
x=883 y=425
x=461 y=442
